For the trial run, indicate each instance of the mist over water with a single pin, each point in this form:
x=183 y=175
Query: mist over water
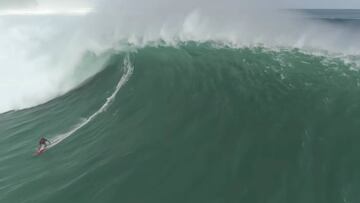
x=41 y=57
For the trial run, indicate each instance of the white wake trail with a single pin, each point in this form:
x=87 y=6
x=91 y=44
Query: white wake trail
x=128 y=72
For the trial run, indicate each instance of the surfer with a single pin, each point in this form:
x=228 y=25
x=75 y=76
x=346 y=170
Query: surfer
x=43 y=143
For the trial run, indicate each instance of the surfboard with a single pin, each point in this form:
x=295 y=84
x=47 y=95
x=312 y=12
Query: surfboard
x=40 y=151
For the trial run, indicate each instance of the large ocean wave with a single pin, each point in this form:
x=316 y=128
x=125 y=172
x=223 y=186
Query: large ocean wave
x=193 y=123
x=45 y=57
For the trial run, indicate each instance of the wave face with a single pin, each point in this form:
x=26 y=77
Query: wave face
x=192 y=123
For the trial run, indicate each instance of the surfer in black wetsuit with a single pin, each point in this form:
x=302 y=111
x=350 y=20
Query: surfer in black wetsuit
x=43 y=142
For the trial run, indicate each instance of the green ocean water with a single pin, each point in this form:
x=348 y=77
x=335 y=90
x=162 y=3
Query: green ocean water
x=192 y=123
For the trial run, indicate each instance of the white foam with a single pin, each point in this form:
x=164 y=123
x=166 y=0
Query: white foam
x=128 y=69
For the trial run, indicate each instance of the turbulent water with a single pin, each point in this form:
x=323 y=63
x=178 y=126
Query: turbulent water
x=192 y=122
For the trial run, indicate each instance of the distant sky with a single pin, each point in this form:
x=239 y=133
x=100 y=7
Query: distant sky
x=17 y=3
x=333 y=4
x=64 y=3
x=71 y=4
x=24 y=4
